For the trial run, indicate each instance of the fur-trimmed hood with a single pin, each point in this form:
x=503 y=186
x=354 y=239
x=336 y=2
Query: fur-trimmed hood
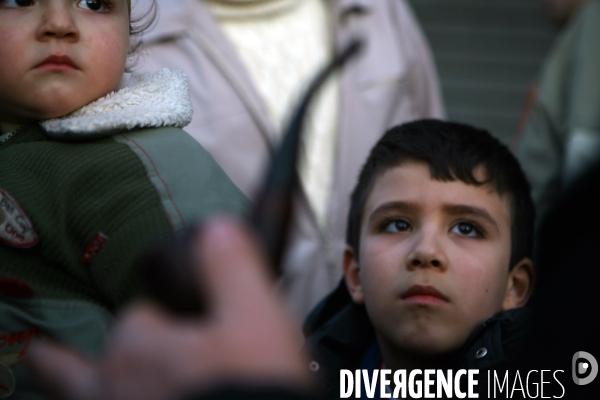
x=152 y=99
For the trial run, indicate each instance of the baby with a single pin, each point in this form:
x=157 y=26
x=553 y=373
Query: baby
x=88 y=176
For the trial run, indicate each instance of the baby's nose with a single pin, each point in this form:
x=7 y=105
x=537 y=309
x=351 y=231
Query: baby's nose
x=58 y=22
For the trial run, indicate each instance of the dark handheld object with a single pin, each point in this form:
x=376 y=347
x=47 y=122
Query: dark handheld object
x=272 y=212
x=167 y=270
x=168 y=276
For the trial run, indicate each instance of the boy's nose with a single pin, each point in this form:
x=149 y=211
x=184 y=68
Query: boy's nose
x=427 y=251
x=57 y=23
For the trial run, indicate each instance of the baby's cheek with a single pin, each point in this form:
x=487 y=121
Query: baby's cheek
x=111 y=52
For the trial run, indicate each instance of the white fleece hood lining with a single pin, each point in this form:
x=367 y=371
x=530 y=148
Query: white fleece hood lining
x=151 y=99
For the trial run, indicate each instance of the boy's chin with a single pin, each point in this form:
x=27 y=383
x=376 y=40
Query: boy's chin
x=429 y=349
x=429 y=345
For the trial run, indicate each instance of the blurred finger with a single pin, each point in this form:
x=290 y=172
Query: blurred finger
x=253 y=337
x=63 y=373
x=152 y=354
x=232 y=269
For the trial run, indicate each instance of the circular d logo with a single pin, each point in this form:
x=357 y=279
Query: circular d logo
x=583 y=363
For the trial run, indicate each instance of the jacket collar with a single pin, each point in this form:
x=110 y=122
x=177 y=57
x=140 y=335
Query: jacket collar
x=150 y=100
x=175 y=15
x=496 y=341
x=345 y=6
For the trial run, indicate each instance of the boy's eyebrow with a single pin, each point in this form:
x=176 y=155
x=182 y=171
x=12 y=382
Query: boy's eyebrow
x=404 y=206
x=462 y=209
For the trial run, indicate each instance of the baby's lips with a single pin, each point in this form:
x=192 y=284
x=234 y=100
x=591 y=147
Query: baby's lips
x=58 y=59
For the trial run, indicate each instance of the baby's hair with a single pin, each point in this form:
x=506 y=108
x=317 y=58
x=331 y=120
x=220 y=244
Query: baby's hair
x=138 y=24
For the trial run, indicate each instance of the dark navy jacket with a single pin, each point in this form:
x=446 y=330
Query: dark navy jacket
x=340 y=334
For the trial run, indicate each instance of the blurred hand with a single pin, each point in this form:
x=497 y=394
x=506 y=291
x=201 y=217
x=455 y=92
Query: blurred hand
x=246 y=336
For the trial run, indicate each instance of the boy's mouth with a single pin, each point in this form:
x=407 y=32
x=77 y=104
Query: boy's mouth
x=424 y=294
x=57 y=62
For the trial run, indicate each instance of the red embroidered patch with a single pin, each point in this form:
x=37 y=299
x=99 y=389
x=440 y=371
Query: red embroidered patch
x=15 y=228
x=94 y=248
x=15 y=288
x=23 y=337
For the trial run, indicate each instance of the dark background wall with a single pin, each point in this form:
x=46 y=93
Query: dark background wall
x=487 y=53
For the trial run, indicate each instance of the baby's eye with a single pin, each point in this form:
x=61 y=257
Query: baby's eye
x=396 y=225
x=16 y=3
x=467 y=229
x=94 y=5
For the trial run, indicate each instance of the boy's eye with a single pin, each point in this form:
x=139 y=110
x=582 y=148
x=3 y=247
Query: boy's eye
x=94 y=5
x=467 y=229
x=396 y=225
x=16 y=3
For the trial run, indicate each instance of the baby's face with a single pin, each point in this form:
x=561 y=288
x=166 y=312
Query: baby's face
x=59 y=55
x=433 y=261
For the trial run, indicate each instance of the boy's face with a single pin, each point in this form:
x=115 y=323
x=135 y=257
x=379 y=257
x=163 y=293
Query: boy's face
x=434 y=259
x=59 y=55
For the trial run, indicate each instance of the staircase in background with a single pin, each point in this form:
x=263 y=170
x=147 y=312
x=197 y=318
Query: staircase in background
x=487 y=53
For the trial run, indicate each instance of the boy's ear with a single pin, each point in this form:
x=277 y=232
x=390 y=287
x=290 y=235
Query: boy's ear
x=352 y=276
x=520 y=285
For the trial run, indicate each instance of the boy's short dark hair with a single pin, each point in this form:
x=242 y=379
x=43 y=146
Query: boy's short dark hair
x=452 y=151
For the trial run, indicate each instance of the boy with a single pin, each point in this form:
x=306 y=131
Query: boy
x=439 y=240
